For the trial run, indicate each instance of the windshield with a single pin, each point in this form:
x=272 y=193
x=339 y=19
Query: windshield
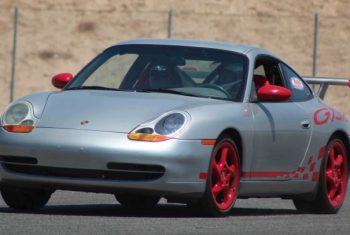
x=174 y=69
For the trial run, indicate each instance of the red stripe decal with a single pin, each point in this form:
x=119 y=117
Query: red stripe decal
x=315 y=176
x=203 y=175
x=264 y=174
x=320 y=153
x=296 y=174
x=305 y=176
x=310 y=159
x=312 y=167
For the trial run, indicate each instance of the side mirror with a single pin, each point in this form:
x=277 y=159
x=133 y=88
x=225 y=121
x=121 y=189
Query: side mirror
x=273 y=93
x=60 y=80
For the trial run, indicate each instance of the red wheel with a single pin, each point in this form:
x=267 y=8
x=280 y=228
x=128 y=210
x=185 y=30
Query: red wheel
x=336 y=173
x=223 y=179
x=332 y=183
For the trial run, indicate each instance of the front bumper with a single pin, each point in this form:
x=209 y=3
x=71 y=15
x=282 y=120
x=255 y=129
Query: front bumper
x=86 y=150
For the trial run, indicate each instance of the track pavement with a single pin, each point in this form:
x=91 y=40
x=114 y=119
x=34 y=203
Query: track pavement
x=89 y=213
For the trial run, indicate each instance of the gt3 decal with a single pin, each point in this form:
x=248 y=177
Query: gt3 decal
x=328 y=115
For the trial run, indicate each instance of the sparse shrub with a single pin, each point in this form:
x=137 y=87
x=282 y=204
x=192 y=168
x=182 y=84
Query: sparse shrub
x=86 y=26
x=46 y=54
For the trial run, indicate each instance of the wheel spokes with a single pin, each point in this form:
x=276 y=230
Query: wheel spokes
x=339 y=160
x=331 y=157
x=217 y=188
x=217 y=169
x=223 y=156
x=330 y=177
x=333 y=190
x=232 y=170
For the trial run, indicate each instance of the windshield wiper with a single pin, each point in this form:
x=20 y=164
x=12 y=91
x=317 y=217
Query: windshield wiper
x=140 y=90
x=92 y=88
x=165 y=91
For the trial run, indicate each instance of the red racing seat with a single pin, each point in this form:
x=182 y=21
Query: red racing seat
x=259 y=81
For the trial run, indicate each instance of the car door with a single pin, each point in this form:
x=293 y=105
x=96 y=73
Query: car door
x=282 y=129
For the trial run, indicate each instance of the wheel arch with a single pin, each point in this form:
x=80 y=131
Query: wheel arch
x=237 y=138
x=345 y=138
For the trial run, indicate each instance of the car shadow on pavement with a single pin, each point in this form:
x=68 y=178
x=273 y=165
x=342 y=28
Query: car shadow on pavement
x=161 y=210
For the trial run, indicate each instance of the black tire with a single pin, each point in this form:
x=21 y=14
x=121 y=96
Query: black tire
x=223 y=179
x=305 y=206
x=137 y=201
x=332 y=184
x=25 y=199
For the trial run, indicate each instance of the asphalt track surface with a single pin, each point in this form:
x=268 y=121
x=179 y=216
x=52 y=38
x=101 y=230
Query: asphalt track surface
x=89 y=213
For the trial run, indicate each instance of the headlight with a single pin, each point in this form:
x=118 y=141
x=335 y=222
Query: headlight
x=19 y=117
x=170 y=124
x=163 y=128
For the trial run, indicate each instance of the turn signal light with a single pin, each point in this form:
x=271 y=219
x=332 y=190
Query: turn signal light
x=18 y=128
x=147 y=137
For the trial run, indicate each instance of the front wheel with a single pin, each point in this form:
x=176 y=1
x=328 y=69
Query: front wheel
x=25 y=199
x=332 y=182
x=223 y=179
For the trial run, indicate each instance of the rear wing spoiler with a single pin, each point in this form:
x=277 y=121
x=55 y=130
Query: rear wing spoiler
x=324 y=82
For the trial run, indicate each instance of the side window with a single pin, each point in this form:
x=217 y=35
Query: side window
x=300 y=91
x=259 y=70
x=266 y=70
x=269 y=68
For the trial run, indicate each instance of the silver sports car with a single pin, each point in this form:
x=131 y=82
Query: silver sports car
x=195 y=122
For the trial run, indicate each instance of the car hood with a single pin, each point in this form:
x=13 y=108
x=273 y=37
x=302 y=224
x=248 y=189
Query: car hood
x=117 y=111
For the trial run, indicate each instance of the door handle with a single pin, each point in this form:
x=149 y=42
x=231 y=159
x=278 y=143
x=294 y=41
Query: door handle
x=305 y=124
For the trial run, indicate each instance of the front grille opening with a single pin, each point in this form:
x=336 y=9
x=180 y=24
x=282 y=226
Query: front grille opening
x=15 y=159
x=83 y=173
x=135 y=167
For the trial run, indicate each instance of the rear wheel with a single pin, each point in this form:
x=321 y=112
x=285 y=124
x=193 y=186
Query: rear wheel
x=137 y=201
x=25 y=199
x=223 y=179
x=332 y=182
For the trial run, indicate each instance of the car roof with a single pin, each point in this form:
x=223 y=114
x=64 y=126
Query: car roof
x=235 y=47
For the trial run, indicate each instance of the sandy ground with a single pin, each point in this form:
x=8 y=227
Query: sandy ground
x=62 y=36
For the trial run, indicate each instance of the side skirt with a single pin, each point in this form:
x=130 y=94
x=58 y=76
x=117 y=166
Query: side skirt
x=283 y=189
